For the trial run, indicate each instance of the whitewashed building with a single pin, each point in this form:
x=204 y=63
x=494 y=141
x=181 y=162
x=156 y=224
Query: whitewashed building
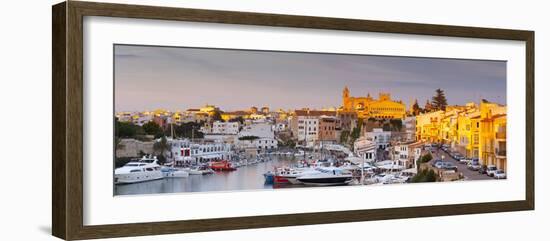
x=225 y=128
x=259 y=129
x=264 y=137
x=185 y=152
x=365 y=148
x=308 y=128
x=406 y=153
x=380 y=137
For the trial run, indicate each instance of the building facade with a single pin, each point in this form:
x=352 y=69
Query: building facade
x=367 y=107
x=225 y=128
x=184 y=152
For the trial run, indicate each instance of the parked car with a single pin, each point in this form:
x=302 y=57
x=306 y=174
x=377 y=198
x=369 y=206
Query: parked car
x=439 y=165
x=499 y=174
x=482 y=169
x=436 y=162
x=491 y=169
x=449 y=166
x=464 y=160
x=474 y=166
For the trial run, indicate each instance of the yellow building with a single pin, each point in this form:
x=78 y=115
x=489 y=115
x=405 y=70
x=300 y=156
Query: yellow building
x=492 y=135
x=367 y=107
x=428 y=126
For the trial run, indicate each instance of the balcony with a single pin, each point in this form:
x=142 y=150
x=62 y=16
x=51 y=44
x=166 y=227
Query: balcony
x=500 y=135
x=500 y=153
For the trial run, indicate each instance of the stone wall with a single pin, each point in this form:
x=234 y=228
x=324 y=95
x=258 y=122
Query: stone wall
x=132 y=148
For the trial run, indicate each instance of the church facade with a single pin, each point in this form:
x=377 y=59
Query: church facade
x=368 y=107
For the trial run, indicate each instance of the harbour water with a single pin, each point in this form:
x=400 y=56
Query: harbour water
x=248 y=177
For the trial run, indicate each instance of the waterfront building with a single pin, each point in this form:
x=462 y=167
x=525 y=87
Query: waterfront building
x=257 y=134
x=367 y=107
x=225 y=128
x=265 y=110
x=185 y=152
x=304 y=125
x=328 y=129
x=380 y=137
x=365 y=148
x=307 y=130
x=261 y=129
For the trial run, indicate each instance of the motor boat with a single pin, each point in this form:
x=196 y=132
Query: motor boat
x=289 y=175
x=269 y=177
x=223 y=165
x=326 y=176
x=174 y=172
x=200 y=170
x=146 y=169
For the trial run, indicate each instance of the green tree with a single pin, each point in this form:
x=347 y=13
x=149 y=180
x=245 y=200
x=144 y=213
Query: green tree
x=344 y=136
x=188 y=130
x=248 y=138
x=426 y=158
x=355 y=134
x=239 y=119
x=127 y=129
x=425 y=175
x=396 y=124
x=428 y=106
x=439 y=101
x=386 y=127
x=217 y=116
x=416 y=108
x=152 y=128
x=161 y=147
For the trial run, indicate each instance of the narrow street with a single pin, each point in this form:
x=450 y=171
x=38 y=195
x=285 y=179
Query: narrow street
x=439 y=154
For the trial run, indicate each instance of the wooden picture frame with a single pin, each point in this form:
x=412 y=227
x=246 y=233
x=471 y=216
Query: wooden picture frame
x=67 y=124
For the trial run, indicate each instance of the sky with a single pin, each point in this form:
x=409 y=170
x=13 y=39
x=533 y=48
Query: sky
x=179 y=78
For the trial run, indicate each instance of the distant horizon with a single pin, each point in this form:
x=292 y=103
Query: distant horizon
x=148 y=78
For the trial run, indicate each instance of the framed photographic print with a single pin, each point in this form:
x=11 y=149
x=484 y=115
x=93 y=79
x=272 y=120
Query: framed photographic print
x=210 y=120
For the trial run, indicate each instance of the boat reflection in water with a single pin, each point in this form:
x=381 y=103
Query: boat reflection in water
x=246 y=177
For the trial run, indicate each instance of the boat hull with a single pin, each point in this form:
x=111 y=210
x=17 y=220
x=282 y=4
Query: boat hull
x=128 y=178
x=176 y=174
x=280 y=179
x=325 y=181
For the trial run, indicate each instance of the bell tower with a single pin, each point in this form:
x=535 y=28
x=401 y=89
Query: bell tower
x=345 y=97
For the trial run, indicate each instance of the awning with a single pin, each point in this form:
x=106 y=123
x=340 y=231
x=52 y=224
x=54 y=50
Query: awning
x=210 y=156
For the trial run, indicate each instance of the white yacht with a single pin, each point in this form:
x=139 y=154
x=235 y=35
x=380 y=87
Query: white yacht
x=146 y=169
x=174 y=172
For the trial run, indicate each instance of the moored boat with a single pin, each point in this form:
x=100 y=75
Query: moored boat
x=269 y=177
x=200 y=170
x=327 y=176
x=174 y=172
x=146 y=169
x=222 y=165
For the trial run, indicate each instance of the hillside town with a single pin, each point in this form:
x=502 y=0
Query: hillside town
x=436 y=142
